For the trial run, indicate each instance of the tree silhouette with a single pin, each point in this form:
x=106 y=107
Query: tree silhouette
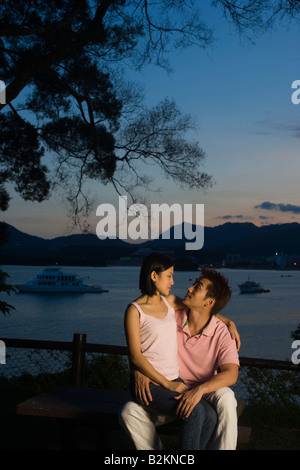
x=296 y=334
x=78 y=113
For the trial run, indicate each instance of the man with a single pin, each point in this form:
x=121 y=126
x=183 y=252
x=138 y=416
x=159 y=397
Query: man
x=204 y=347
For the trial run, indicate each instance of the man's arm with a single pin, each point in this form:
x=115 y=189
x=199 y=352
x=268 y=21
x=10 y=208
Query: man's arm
x=188 y=400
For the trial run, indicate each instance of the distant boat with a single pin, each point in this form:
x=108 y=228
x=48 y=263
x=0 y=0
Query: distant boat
x=251 y=287
x=53 y=280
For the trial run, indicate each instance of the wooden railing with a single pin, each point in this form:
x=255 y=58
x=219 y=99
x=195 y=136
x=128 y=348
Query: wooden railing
x=79 y=347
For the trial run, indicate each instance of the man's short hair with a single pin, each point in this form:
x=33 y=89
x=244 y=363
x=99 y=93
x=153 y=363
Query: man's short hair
x=218 y=289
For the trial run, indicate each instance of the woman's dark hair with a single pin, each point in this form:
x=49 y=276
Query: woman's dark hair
x=157 y=262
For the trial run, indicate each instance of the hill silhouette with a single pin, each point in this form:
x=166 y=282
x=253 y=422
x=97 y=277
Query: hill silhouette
x=78 y=249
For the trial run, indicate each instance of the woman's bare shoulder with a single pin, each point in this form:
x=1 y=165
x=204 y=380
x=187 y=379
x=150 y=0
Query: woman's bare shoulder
x=138 y=300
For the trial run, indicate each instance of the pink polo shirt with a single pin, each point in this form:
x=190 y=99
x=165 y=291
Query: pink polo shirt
x=200 y=356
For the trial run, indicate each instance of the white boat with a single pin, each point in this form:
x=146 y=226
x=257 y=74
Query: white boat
x=251 y=287
x=53 y=280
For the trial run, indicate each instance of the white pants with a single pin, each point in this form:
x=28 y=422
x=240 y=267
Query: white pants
x=140 y=424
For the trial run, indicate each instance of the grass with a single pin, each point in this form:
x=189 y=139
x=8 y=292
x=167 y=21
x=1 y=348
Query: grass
x=274 y=426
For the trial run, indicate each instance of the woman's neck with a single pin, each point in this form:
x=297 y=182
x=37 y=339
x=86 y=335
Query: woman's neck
x=153 y=299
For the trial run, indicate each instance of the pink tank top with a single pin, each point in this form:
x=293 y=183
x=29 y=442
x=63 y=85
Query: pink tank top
x=159 y=341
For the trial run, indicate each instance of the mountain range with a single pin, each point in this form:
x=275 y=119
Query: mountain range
x=77 y=249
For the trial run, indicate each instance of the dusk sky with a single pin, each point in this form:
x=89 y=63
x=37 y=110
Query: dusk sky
x=240 y=94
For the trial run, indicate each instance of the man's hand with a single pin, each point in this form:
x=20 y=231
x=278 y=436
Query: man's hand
x=187 y=402
x=141 y=387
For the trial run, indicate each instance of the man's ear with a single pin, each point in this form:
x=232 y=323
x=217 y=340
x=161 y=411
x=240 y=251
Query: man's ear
x=210 y=301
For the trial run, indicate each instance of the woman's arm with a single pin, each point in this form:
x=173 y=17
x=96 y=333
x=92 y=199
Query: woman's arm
x=175 y=302
x=232 y=329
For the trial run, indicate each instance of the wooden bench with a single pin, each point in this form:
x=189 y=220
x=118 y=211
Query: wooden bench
x=91 y=406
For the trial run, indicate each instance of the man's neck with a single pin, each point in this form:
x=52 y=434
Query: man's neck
x=197 y=321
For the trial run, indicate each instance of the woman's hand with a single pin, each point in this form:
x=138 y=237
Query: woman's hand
x=178 y=387
x=232 y=329
x=234 y=334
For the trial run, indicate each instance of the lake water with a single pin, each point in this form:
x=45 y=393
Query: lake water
x=265 y=321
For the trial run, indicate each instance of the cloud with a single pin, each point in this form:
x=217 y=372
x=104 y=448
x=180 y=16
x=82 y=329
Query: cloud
x=291 y=128
x=268 y=126
x=270 y=206
x=228 y=217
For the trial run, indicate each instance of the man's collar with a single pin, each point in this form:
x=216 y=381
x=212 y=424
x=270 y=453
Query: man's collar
x=207 y=331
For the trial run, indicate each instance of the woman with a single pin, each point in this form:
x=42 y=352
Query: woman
x=150 y=328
